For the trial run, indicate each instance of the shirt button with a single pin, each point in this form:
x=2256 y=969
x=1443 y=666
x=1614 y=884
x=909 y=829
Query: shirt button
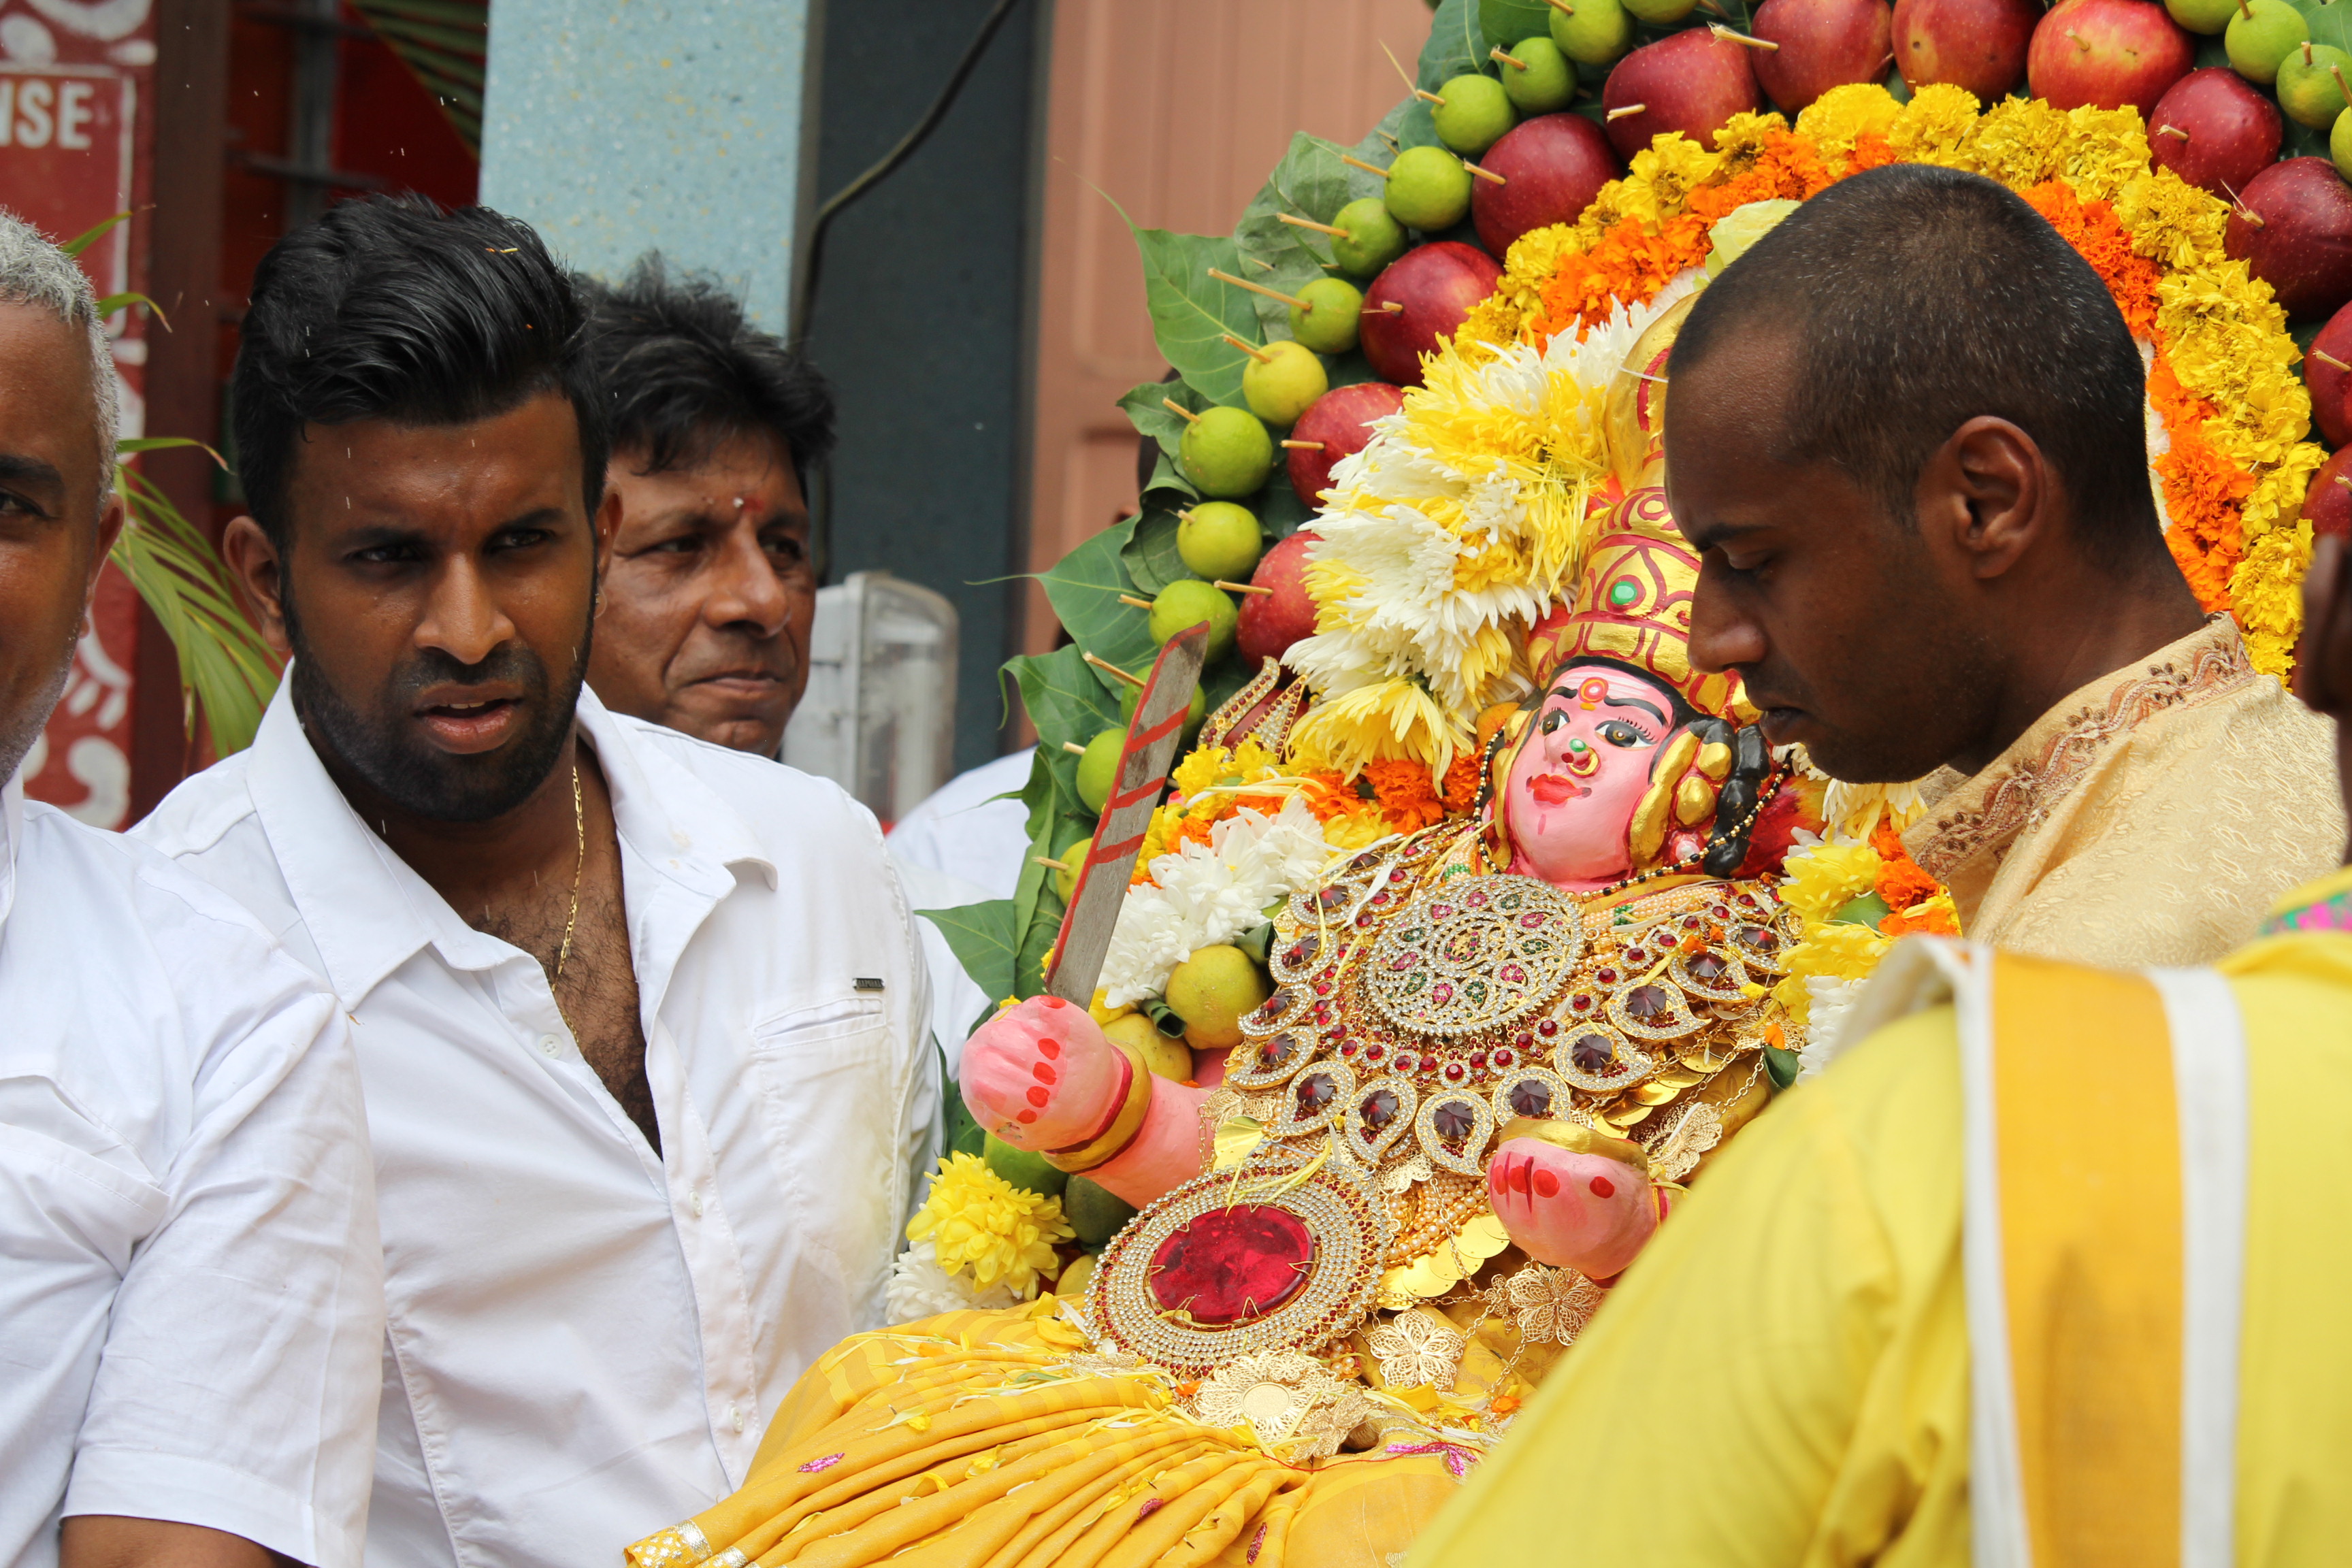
x=735 y=1414
x=695 y=1199
x=549 y=1045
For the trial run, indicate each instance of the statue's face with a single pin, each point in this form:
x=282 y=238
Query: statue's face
x=1581 y=771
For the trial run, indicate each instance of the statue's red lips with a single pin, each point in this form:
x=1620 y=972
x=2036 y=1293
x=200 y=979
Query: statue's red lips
x=1553 y=789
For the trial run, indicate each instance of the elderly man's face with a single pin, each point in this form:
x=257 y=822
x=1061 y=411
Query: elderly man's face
x=705 y=625
x=55 y=465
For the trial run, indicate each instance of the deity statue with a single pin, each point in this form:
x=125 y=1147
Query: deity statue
x=1494 y=1052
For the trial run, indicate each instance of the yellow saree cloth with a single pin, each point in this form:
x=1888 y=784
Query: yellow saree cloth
x=990 y=1440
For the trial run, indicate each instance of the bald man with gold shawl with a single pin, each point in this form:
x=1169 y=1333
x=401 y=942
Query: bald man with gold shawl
x=2049 y=1272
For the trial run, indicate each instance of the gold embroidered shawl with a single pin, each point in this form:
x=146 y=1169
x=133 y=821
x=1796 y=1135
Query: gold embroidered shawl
x=2150 y=818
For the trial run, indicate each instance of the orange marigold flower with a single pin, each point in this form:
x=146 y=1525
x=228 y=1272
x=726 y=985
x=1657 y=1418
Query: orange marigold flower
x=1460 y=784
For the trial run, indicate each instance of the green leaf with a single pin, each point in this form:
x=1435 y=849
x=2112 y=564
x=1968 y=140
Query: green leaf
x=1456 y=45
x=1150 y=555
x=1311 y=183
x=984 y=941
x=1067 y=699
x=1192 y=312
x=1347 y=369
x=1084 y=588
x=91 y=237
x=1055 y=817
x=128 y=298
x=2330 y=23
x=164 y=443
x=1148 y=411
x=1280 y=512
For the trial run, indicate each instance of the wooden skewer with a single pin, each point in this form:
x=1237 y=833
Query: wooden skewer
x=1497 y=55
x=1042 y=860
x=1355 y=162
x=2345 y=481
x=1622 y=110
x=2086 y=48
x=1304 y=445
x=1131 y=599
x=1563 y=7
x=1394 y=145
x=1073 y=748
x=2337 y=72
x=1250 y=349
x=1107 y=667
x=1386 y=308
x=2172 y=131
x=1293 y=300
x=2247 y=7
x=1720 y=31
x=1332 y=229
x=1176 y=408
x=1482 y=173
x=1242 y=587
x=1410 y=85
x=2323 y=357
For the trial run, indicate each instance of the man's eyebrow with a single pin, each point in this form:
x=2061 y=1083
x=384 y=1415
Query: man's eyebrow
x=1704 y=537
x=16 y=469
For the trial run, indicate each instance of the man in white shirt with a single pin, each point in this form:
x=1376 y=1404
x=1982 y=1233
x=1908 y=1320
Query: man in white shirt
x=191 y=1290
x=639 y=1018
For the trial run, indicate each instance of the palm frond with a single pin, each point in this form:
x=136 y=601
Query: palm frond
x=445 y=45
x=227 y=671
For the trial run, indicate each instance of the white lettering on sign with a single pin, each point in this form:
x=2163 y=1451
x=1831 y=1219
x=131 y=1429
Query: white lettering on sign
x=33 y=127
x=75 y=112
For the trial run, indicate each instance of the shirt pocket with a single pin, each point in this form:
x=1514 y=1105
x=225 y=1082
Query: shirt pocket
x=830 y=1088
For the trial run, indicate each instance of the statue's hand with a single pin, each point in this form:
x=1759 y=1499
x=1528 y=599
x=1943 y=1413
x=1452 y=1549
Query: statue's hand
x=1585 y=1212
x=1042 y=1076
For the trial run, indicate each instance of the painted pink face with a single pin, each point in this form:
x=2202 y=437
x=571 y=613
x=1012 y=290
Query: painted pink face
x=1581 y=771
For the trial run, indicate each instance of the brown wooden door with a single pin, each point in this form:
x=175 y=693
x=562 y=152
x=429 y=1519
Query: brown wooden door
x=1178 y=109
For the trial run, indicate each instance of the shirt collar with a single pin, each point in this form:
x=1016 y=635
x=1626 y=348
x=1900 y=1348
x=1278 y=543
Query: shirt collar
x=368 y=911
x=11 y=837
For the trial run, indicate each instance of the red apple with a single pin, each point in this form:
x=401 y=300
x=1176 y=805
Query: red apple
x=1690 y=81
x=1341 y=419
x=1824 y=43
x=1433 y=287
x=2214 y=130
x=1552 y=167
x=2327 y=505
x=1270 y=623
x=2327 y=371
x=2293 y=228
x=1977 y=45
x=2104 y=53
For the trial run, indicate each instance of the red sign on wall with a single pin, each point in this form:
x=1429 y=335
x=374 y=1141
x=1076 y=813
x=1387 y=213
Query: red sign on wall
x=72 y=155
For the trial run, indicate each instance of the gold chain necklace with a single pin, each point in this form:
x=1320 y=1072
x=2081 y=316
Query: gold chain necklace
x=578 y=865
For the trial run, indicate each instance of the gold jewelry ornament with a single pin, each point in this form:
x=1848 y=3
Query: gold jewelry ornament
x=1582 y=760
x=1123 y=1127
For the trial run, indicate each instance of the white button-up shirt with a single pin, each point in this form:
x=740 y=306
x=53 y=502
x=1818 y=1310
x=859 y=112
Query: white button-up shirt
x=191 y=1288
x=587 y=1339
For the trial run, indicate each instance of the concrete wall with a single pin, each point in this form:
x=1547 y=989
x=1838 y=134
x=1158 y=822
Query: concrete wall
x=623 y=126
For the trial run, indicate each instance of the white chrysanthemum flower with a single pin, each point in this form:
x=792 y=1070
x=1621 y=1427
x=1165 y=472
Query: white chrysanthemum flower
x=1829 y=998
x=919 y=1288
x=1853 y=810
x=1210 y=893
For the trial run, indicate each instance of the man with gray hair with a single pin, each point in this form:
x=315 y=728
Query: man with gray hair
x=192 y=1301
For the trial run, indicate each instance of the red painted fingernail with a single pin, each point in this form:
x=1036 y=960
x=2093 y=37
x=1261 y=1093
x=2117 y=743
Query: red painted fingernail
x=1038 y=1097
x=1043 y=1073
x=1026 y=1116
x=1519 y=1175
x=1049 y=1049
x=1601 y=1186
x=1547 y=1185
x=1055 y=1002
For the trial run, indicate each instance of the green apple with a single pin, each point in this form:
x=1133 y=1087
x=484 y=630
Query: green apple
x=1429 y=189
x=1072 y=856
x=1539 y=79
x=1186 y=602
x=1218 y=539
x=1335 y=309
x=2339 y=144
x=2202 y=16
x=1226 y=452
x=1474 y=113
x=1283 y=378
x=2308 y=86
x=1099 y=764
x=2260 y=35
x=1659 y=13
x=1373 y=238
x=1595 y=32
x=1095 y=1213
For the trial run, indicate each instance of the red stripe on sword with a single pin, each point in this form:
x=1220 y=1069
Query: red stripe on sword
x=1104 y=856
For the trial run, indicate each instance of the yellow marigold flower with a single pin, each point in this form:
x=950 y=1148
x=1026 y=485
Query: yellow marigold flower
x=1844 y=115
x=1202 y=767
x=985 y=1226
x=1822 y=880
x=1840 y=952
x=1934 y=126
x=2266 y=595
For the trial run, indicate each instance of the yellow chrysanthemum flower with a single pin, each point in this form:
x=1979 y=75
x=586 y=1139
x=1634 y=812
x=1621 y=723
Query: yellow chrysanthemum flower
x=1825 y=879
x=1389 y=719
x=1841 y=951
x=983 y=1226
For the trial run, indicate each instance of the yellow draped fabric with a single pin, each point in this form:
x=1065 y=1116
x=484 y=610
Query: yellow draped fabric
x=990 y=1440
x=1783 y=1377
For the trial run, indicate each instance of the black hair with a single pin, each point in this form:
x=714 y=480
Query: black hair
x=391 y=307
x=682 y=370
x=1921 y=298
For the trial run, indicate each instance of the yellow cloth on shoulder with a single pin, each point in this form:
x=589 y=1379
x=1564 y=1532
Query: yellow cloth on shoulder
x=985 y=1440
x=1783 y=1377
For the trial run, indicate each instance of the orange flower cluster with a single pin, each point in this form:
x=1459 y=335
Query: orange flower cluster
x=1902 y=886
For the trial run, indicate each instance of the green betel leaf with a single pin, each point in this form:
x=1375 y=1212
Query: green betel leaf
x=1192 y=312
x=1150 y=555
x=1148 y=411
x=1310 y=183
x=1280 y=512
x=1067 y=699
x=1457 y=45
x=1084 y=588
x=983 y=939
x=2331 y=24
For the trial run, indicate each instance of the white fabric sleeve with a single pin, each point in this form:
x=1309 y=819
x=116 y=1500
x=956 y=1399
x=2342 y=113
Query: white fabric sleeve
x=237 y=1388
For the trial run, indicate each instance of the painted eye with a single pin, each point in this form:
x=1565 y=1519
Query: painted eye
x=1617 y=733
x=1553 y=720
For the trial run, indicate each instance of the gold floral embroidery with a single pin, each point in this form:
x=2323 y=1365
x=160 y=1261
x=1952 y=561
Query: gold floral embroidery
x=1415 y=1351
x=1297 y=1409
x=1549 y=1306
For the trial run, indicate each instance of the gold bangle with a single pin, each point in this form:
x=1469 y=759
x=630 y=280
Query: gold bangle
x=1576 y=1138
x=1123 y=1127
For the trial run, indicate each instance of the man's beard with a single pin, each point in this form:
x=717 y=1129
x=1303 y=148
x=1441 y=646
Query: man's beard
x=19 y=729
x=422 y=780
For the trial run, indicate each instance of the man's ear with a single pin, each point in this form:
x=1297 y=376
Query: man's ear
x=608 y=529
x=2323 y=663
x=110 y=528
x=1986 y=493
x=253 y=560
